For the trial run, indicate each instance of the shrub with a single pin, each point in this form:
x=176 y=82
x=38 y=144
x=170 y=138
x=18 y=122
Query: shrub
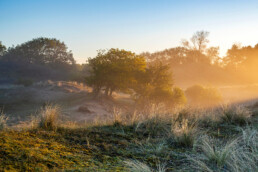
x=3 y=120
x=200 y=96
x=178 y=98
x=49 y=117
x=235 y=115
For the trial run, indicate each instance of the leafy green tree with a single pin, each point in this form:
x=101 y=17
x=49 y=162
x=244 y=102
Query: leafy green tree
x=114 y=70
x=43 y=51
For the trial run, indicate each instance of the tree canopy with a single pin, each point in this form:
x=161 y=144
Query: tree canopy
x=155 y=86
x=115 y=70
x=38 y=59
x=47 y=51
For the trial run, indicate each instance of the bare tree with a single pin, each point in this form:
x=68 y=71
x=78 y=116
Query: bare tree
x=198 y=41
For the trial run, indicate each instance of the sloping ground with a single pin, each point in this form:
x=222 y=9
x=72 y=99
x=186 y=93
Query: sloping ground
x=20 y=103
x=104 y=148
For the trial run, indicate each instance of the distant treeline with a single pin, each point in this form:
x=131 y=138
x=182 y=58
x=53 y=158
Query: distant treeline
x=193 y=62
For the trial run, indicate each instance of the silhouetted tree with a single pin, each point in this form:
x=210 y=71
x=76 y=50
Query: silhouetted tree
x=198 y=41
x=213 y=54
x=2 y=49
x=44 y=51
x=243 y=60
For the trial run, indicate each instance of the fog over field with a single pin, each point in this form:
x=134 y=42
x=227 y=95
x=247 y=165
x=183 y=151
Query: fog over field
x=140 y=86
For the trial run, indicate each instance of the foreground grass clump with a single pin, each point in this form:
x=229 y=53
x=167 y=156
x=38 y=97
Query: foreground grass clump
x=49 y=117
x=239 y=154
x=137 y=166
x=184 y=133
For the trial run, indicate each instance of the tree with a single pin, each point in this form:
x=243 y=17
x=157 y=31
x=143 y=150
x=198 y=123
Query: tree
x=213 y=54
x=2 y=49
x=115 y=70
x=198 y=41
x=43 y=51
x=234 y=56
x=243 y=61
x=155 y=86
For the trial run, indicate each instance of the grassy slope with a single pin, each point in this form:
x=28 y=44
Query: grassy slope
x=99 y=148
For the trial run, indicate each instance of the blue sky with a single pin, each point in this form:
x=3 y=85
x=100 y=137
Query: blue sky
x=136 y=25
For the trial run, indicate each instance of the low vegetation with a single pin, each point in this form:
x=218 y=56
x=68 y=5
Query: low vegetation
x=201 y=96
x=235 y=115
x=154 y=141
x=49 y=117
x=239 y=154
x=3 y=120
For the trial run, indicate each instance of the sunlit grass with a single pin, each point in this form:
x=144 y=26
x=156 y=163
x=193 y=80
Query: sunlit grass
x=49 y=117
x=238 y=115
x=156 y=141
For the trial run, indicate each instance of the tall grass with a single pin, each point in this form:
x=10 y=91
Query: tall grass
x=49 y=117
x=184 y=133
x=246 y=156
x=3 y=120
x=153 y=147
x=137 y=166
x=155 y=126
x=237 y=155
x=237 y=115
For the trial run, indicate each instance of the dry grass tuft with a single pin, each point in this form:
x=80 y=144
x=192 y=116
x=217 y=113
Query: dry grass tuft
x=49 y=117
x=3 y=120
x=137 y=166
x=184 y=133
